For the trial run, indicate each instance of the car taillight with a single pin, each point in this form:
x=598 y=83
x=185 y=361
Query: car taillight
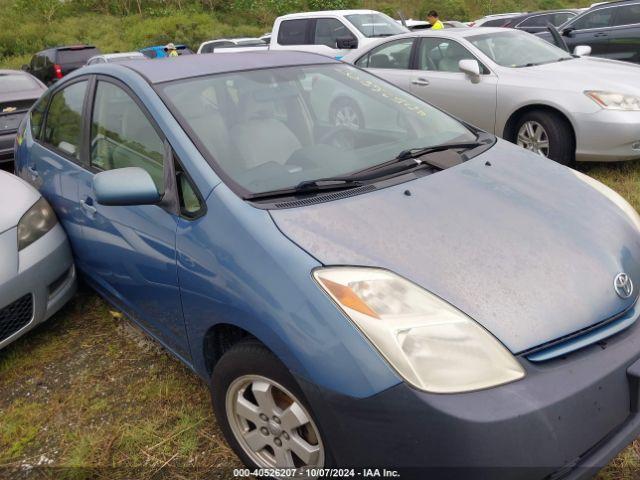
x=57 y=70
x=471 y=24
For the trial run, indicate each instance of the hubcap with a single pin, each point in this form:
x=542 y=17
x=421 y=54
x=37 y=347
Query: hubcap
x=533 y=136
x=271 y=425
x=346 y=116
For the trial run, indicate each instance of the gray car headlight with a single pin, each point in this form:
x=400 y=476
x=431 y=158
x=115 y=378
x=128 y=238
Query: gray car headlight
x=38 y=220
x=614 y=101
x=432 y=345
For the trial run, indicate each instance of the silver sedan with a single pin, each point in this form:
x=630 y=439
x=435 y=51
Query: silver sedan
x=37 y=275
x=521 y=88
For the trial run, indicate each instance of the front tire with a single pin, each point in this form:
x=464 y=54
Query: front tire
x=546 y=134
x=262 y=411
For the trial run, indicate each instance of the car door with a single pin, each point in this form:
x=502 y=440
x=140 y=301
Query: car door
x=439 y=81
x=624 y=37
x=592 y=29
x=129 y=251
x=54 y=164
x=392 y=61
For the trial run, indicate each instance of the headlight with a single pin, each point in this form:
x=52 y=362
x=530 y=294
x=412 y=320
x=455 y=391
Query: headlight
x=431 y=344
x=38 y=220
x=614 y=101
x=612 y=195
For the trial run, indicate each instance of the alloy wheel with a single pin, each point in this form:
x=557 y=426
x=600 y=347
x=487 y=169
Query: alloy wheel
x=271 y=424
x=533 y=137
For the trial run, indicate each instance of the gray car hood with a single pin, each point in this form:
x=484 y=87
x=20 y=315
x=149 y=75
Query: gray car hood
x=523 y=246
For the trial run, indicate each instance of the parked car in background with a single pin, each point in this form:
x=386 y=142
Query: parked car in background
x=233 y=44
x=37 y=276
x=535 y=22
x=519 y=87
x=412 y=24
x=18 y=91
x=116 y=57
x=611 y=29
x=259 y=244
x=52 y=64
x=497 y=20
x=160 y=51
x=332 y=33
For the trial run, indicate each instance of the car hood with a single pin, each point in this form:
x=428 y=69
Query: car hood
x=16 y=197
x=589 y=73
x=522 y=245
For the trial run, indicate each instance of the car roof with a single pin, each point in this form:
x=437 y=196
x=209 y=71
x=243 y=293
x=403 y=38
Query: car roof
x=324 y=13
x=119 y=55
x=188 y=66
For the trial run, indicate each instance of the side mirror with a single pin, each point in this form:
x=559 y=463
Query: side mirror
x=582 y=51
x=346 y=43
x=471 y=68
x=125 y=186
x=567 y=32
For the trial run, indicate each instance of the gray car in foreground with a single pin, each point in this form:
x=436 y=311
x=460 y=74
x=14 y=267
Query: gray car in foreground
x=37 y=274
x=519 y=87
x=18 y=91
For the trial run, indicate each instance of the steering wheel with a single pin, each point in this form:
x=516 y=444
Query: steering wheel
x=340 y=137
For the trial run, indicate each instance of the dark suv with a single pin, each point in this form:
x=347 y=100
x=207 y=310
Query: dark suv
x=54 y=63
x=612 y=30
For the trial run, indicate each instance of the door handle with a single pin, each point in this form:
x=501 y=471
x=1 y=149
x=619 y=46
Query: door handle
x=420 y=81
x=87 y=207
x=601 y=34
x=32 y=171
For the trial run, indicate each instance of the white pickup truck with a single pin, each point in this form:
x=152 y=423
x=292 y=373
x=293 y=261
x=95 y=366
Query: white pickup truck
x=333 y=33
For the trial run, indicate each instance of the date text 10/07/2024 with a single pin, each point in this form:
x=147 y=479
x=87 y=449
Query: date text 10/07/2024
x=316 y=473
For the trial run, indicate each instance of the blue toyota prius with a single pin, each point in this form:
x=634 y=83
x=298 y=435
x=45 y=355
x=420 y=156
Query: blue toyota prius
x=361 y=279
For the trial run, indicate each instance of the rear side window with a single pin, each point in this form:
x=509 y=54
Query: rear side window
x=627 y=15
x=37 y=115
x=293 y=32
x=122 y=136
x=329 y=30
x=597 y=19
x=63 y=127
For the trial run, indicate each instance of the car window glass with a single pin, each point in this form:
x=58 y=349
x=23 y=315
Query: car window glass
x=536 y=21
x=63 y=127
x=562 y=17
x=190 y=204
x=329 y=30
x=37 y=115
x=597 y=19
x=441 y=55
x=627 y=15
x=293 y=32
x=395 y=54
x=498 y=22
x=122 y=136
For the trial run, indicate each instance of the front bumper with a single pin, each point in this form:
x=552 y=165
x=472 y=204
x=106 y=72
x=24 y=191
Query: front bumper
x=607 y=135
x=45 y=270
x=6 y=147
x=566 y=419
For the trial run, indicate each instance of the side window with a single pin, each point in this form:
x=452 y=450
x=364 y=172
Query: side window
x=440 y=55
x=63 y=125
x=190 y=204
x=395 y=54
x=329 y=30
x=562 y=17
x=627 y=15
x=37 y=115
x=536 y=21
x=122 y=135
x=598 y=19
x=293 y=32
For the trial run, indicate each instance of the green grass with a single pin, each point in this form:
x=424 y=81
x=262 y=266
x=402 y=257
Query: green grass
x=88 y=390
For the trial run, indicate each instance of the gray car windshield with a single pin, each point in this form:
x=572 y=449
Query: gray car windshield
x=375 y=24
x=517 y=49
x=274 y=128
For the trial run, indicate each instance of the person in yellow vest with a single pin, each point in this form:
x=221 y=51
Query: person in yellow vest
x=432 y=18
x=171 y=50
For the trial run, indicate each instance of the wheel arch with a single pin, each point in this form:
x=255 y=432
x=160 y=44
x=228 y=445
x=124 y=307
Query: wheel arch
x=508 y=132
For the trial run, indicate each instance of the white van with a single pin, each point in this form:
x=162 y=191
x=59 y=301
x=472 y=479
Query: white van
x=333 y=33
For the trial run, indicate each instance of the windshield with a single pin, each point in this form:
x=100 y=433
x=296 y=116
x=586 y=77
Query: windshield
x=517 y=49
x=274 y=128
x=10 y=83
x=376 y=24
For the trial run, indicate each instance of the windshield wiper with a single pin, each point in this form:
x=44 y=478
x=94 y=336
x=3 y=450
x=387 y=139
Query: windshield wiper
x=418 y=152
x=307 y=187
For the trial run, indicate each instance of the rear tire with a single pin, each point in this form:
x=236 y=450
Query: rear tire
x=263 y=412
x=547 y=134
